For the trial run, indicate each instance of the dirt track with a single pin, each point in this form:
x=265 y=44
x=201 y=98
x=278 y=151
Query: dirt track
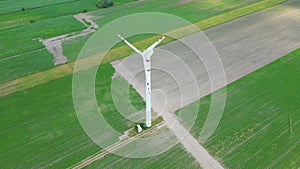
x=54 y=44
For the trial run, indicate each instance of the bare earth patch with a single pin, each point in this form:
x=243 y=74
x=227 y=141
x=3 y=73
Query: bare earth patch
x=54 y=44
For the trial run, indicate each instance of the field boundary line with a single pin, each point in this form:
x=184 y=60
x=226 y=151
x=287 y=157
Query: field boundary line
x=18 y=55
x=60 y=71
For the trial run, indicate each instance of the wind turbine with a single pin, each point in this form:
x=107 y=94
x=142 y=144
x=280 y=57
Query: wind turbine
x=146 y=55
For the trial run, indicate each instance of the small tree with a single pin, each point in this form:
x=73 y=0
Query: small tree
x=105 y=3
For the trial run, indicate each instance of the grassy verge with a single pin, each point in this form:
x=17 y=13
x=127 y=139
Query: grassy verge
x=259 y=125
x=133 y=131
x=123 y=51
x=39 y=126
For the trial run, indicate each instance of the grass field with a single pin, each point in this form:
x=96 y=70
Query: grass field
x=23 y=53
x=25 y=64
x=9 y=6
x=39 y=126
x=72 y=48
x=191 y=11
x=261 y=121
x=176 y=156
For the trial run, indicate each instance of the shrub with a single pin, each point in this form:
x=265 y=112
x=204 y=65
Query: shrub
x=105 y=3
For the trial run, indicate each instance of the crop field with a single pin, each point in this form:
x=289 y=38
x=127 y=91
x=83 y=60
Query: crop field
x=22 y=47
x=261 y=121
x=176 y=156
x=25 y=38
x=9 y=6
x=40 y=124
x=192 y=11
x=24 y=64
x=14 y=13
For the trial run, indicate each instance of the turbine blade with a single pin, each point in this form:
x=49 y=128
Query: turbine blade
x=156 y=43
x=130 y=45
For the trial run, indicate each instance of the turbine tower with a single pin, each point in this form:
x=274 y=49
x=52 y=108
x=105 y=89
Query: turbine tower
x=146 y=55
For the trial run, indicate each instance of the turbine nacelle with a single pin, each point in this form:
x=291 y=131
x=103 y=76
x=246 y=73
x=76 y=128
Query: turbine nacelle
x=146 y=54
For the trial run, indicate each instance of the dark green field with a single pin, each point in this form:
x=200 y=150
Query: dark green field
x=24 y=38
x=24 y=64
x=15 y=13
x=39 y=126
x=176 y=156
x=261 y=122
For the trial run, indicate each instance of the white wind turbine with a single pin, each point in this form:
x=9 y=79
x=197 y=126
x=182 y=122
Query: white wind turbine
x=146 y=55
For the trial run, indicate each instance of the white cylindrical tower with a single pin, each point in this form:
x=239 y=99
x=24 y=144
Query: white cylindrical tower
x=148 y=91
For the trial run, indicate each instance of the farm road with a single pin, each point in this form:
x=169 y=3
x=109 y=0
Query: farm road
x=244 y=45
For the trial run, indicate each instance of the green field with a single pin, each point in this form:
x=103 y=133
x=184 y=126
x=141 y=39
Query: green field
x=191 y=11
x=24 y=38
x=9 y=6
x=261 y=121
x=176 y=157
x=25 y=64
x=39 y=126
x=13 y=15
x=22 y=49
